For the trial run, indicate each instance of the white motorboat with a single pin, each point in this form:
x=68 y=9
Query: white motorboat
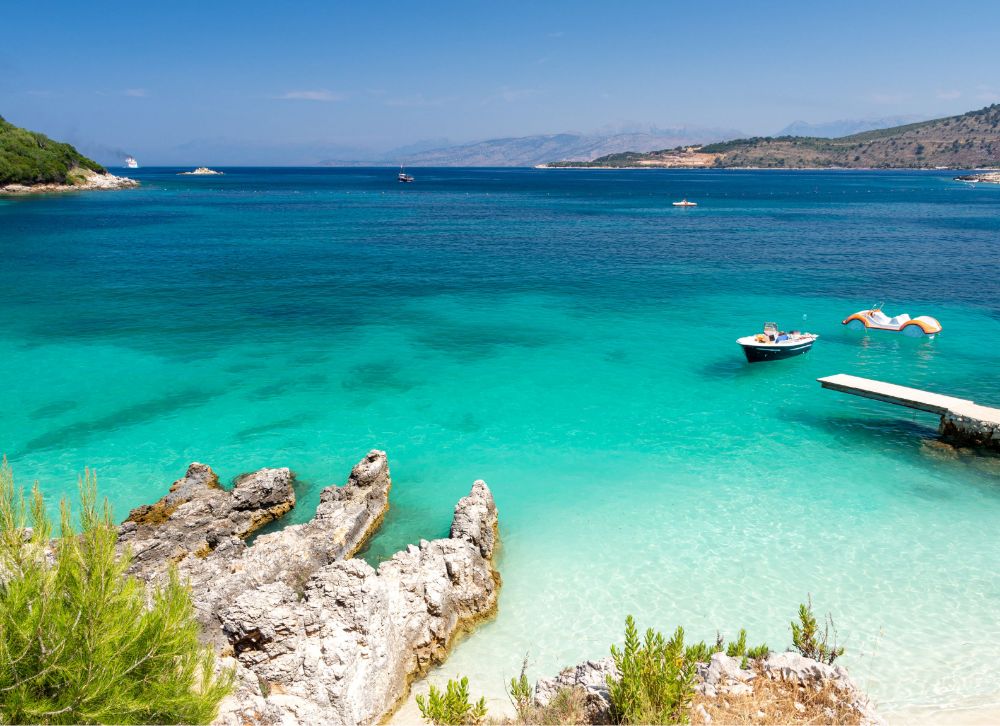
x=774 y=344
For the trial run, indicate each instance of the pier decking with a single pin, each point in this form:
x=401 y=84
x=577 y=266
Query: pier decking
x=961 y=419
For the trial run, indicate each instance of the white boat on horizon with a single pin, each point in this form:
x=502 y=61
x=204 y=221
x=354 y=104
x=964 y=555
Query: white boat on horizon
x=685 y=203
x=403 y=176
x=131 y=163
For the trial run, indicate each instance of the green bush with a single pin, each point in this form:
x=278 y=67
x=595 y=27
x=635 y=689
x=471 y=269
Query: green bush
x=738 y=649
x=521 y=694
x=79 y=642
x=759 y=652
x=451 y=707
x=656 y=677
x=27 y=157
x=806 y=636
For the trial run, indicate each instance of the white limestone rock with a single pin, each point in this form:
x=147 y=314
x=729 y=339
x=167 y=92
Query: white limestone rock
x=315 y=636
x=591 y=677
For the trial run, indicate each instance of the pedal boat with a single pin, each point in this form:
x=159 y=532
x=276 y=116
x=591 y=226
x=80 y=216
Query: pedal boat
x=875 y=319
x=775 y=345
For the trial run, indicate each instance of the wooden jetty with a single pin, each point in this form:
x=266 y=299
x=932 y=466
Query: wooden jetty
x=962 y=421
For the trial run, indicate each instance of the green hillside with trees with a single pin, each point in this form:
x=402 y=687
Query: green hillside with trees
x=971 y=140
x=28 y=157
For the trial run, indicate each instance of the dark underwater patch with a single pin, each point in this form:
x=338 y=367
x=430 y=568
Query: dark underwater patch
x=55 y=408
x=75 y=434
x=377 y=376
x=272 y=426
x=475 y=341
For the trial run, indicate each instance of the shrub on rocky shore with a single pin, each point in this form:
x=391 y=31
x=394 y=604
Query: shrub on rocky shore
x=80 y=640
x=658 y=680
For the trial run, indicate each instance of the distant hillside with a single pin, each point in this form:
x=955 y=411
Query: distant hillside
x=27 y=157
x=534 y=150
x=968 y=141
x=845 y=127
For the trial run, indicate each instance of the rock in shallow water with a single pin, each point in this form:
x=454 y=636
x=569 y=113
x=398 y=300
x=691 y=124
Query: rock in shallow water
x=317 y=637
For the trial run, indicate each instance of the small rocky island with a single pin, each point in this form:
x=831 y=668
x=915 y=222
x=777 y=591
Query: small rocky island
x=200 y=171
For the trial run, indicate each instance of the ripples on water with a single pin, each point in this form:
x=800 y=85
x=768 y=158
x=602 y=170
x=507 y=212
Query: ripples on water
x=569 y=337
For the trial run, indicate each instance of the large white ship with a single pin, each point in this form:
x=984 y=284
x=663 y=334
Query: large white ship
x=131 y=163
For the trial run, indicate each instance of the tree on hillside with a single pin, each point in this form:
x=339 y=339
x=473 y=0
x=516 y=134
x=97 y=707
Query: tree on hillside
x=27 y=157
x=80 y=641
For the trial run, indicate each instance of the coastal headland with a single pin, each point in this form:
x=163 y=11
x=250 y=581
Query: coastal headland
x=968 y=141
x=32 y=163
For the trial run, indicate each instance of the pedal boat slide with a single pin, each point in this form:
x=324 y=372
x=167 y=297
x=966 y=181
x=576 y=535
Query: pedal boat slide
x=875 y=319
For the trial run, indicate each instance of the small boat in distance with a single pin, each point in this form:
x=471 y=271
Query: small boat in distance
x=875 y=319
x=403 y=176
x=131 y=163
x=685 y=203
x=774 y=344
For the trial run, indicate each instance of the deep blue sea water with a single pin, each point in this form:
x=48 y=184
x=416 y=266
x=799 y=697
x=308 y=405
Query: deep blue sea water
x=569 y=337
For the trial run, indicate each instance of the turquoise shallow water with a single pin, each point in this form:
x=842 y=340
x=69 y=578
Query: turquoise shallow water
x=568 y=337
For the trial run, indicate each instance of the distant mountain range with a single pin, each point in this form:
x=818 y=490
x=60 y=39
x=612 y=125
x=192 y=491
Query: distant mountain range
x=971 y=140
x=845 y=127
x=534 y=150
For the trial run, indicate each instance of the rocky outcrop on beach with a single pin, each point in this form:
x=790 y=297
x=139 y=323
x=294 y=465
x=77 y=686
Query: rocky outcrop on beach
x=722 y=681
x=314 y=635
x=79 y=180
x=990 y=177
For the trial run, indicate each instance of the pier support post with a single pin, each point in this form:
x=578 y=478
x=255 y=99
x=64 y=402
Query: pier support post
x=969 y=431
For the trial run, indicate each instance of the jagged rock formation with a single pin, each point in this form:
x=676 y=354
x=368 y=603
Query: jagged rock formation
x=722 y=676
x=315 y=636
x=197 y=514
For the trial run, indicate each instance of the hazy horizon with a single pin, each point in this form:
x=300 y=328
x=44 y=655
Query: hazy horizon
x=250 y=83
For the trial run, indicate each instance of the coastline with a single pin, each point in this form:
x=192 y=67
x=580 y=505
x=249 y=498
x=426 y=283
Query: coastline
x=981 y=177
x=91 y=181
x=767 y=168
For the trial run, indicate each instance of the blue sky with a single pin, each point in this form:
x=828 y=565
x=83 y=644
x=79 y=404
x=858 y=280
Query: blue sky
x=271 y=82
